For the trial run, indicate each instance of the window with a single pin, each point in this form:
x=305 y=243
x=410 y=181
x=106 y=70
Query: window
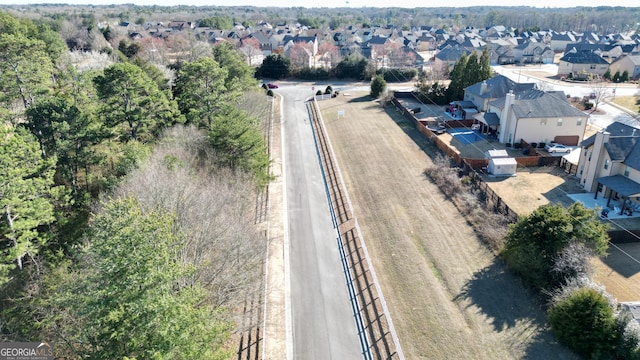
x=560 y=122
x=590 y=155
x=627 y=169
x=592 y=66
x=579 y=122
x=543 y=121
x=606 y=164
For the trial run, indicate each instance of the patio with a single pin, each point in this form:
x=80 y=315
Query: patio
x=601 y=203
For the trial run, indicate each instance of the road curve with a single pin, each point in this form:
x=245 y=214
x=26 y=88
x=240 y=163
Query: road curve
x=320 y=323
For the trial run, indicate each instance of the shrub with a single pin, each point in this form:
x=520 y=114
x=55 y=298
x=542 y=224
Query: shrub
x=270 y=92
x=328 y=90
x=541 y=145
x=319 y=92
x=378 y=86
x=533 y=145
x=584 y=322
x=588 y=105
x=398 y=75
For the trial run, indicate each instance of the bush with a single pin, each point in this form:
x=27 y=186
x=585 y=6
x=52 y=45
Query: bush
x=584 y=322
x=308 y=73
x=319 y=92
x=588 y=105
x=398 y=75
x=378 y=86
x=328 y=90
x=270 y=92
x=541 y=145
x=533 y=145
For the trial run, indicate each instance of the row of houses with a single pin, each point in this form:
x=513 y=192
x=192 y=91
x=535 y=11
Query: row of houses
x=609 y=163
x=425 y=46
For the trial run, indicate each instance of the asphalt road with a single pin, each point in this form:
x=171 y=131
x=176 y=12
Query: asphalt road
x=320 y=322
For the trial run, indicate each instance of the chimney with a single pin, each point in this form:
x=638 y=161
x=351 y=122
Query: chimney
x=483 y=87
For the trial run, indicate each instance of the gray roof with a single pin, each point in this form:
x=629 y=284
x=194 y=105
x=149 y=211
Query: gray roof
x=491 y=118
x=621 y=184
x=452 y=53
x=498 y=87
x=535 y=103
x=620 y=147
x=583 y=58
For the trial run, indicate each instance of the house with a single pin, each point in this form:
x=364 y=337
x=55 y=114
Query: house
x=609 y=163
x=582 y=65
x=629 y=63
x=310 y=42
x=559 y=41
x=537 y=116
x=533 y=52
x=448 y=56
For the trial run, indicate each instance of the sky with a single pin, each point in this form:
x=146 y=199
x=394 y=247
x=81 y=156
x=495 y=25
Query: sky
x=342 y=3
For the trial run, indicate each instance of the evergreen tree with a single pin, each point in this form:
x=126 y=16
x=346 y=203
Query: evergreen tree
x=455 y=91
x=201 y=92
x=485 y=65
x=133 y=105
x=27 y=195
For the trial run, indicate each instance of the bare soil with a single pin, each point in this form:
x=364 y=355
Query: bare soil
x=449 y=296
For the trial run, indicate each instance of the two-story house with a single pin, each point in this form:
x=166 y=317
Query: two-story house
x=609 y=163
x=582 y=65
x=538 y=116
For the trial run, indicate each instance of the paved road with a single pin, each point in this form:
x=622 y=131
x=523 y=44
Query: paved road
x=320 y=322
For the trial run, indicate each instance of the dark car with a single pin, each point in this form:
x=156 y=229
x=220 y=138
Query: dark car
x=272 y=86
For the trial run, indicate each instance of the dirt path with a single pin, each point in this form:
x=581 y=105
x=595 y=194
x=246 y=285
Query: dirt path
x=448 y=295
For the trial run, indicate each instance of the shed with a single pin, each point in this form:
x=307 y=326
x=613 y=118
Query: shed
x=496 y=154
x=502 y=166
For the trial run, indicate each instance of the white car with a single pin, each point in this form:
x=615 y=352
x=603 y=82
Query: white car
x=557 y=148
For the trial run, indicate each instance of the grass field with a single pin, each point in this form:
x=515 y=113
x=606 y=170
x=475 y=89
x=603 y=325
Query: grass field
x=629 y=102
x=448 y=295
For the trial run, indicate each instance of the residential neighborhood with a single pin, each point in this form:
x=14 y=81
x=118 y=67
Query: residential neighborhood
x=581 y=55
x=335 y=182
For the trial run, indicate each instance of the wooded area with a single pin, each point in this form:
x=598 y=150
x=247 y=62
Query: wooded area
x=127 y=198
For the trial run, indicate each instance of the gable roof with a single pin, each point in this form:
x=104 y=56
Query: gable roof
x=498 y=87
x=537 y=103
x=583 y=58
x=452 y=53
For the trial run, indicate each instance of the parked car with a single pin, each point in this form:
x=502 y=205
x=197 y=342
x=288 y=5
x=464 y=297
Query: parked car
x=272 y=86
x=557 y=148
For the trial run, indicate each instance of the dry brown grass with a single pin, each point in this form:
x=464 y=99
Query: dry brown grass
x=628 y=102
x=448 y=295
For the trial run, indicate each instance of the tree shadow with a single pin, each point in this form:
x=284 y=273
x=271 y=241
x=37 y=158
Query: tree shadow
x=364 y=98
x=506 y=303
x=624 y=263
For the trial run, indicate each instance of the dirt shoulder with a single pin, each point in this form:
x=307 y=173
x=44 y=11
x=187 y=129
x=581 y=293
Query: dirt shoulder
x=448 y=295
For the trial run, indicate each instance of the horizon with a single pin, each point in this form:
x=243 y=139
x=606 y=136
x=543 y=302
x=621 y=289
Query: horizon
x=335 y=3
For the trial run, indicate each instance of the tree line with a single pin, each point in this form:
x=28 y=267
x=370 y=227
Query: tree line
x=126 y=199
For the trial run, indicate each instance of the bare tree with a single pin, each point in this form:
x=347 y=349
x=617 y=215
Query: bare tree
x=250 y=49
x=599 y=91
x=213 y=208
